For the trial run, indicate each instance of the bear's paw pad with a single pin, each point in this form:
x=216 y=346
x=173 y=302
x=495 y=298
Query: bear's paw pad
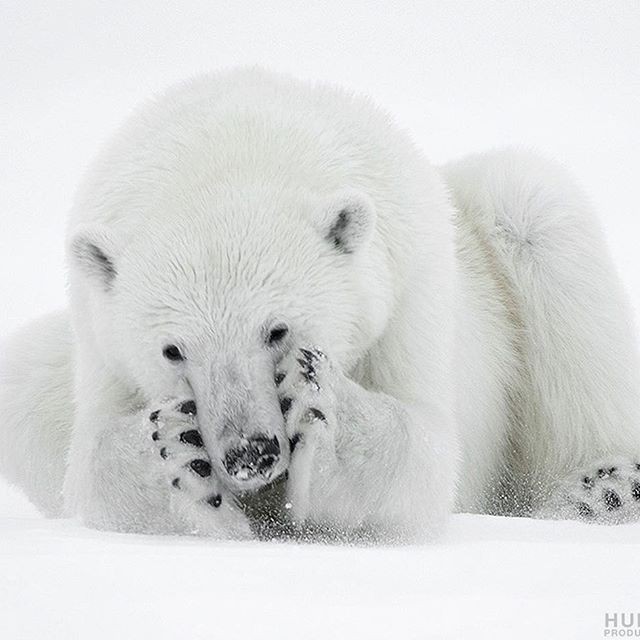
x=607 y=493
x=187 y=466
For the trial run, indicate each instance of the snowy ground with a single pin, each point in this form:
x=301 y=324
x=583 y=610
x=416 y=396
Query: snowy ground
x=491 y=578
x=561 y=77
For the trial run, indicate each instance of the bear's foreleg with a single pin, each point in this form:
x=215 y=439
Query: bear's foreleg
x=148 y=472
x=359 y=463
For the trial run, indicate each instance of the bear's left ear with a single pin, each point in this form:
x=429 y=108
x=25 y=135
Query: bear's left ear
x=347 y=220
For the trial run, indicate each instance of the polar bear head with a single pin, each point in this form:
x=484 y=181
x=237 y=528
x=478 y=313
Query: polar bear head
x=209 y=299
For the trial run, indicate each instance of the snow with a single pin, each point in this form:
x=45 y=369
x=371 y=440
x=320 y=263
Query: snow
x=461 y=76
x=489 y=578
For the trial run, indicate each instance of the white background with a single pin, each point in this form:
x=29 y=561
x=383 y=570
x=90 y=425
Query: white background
x=560 y=77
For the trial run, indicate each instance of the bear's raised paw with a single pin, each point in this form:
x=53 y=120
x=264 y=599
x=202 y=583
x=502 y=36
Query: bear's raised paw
x=179 y=443
x=306 y=382
x=305 y=389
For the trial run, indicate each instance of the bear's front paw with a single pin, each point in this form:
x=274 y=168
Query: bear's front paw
x=305 y=379
x=180 y=446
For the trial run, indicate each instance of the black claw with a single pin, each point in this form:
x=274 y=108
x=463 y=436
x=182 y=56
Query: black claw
x=584 y=510
x=587 y=482
x=154 y=416
x=175 y=483
x=317 y=414
x=155 y=435
x=308 y=370
x=192 y=437
x=293 y=442
x=279 y=378
x=305 y=364
x=611 y=500
x=215 y=500
x=188 y=407
x=201 y=467
x=163 y=453
x=635 y=490
x=310 y=356
x=285 y=405
x=310 y=376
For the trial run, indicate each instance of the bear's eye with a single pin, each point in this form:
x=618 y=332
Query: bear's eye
x=171 y=352
x=277 y=334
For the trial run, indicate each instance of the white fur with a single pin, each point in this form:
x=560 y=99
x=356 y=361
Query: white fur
x=573 y=372
x=479 y=351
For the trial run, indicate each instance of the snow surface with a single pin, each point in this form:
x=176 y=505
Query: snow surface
x=462 y=75
x=490 y=578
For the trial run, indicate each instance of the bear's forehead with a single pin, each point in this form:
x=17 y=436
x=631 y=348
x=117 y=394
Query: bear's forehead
x=216 y=270
x=238 y=259
x=237 y=251
x=207 y=311
x=237 y=233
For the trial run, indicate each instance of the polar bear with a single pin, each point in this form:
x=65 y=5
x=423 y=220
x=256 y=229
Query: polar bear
x=281 y=313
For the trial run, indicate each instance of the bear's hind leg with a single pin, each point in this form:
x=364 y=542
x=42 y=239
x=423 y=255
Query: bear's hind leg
x=580 y=396
x=36 y=396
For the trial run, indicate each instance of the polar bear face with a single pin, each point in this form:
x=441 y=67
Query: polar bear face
x=207 y=303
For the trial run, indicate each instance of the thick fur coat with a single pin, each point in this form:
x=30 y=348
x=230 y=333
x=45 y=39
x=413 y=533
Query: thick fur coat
x=271 y=286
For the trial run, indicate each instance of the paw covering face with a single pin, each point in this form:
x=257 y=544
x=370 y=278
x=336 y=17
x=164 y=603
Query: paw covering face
x=347 y=220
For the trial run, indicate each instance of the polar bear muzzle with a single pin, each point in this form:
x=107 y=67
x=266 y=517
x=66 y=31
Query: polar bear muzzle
x=240 y=418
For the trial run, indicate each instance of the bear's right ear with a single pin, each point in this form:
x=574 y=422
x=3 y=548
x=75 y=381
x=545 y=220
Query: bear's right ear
x=92 y=250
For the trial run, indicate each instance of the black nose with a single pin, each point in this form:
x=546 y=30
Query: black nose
x=255 y=457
